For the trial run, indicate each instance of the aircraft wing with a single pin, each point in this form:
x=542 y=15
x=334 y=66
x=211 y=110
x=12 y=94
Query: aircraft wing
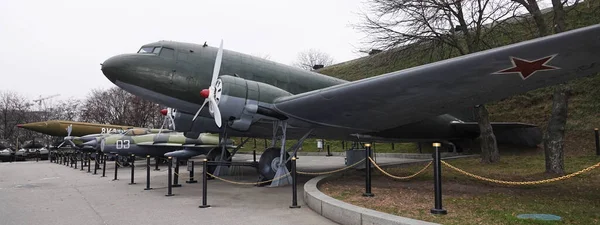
x=411 y=95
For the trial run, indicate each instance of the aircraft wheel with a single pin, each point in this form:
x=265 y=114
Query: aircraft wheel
x=215 y=155
x=269 y=163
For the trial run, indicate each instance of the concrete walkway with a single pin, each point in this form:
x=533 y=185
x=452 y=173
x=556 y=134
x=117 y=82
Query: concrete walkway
x=47 y=193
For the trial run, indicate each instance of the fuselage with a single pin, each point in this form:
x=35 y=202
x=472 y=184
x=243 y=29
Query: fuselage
x=174 y=74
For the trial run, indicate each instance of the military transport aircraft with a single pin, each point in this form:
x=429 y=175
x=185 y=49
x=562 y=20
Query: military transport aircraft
x=256 y=97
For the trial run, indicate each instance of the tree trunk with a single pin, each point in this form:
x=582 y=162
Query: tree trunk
x=555 y=134
x=559 y=16
x=554 y=139
x=540 y=23
x=489 y=147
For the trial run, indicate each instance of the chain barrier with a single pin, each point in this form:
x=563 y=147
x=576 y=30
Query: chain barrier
x=397 y=177
x=521 y=182
x=330 y=172
x=248 y=183
x=180 y=177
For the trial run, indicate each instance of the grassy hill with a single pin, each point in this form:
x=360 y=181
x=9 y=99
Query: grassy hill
x=532 y=107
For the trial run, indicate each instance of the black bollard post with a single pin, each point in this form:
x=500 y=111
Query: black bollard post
x=254 y=155
x=104 y=156
x=82 y=160
x=147 y=173
x=294 y=188
x=89 y=162
x=37 y=156
x=597 y=142
x=368 y=172
x=176 y=177
x=437 y=176
x=156 y=159
x=95 y=163
x=116 y=166
x=169 y=184
x=204 y=184
x=191 y=169
x=328 y=152
x=132 y=167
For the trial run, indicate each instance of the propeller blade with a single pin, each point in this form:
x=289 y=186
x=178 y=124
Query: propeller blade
x=72 y=144
x=61 y=144
x=216 y=111
x=205 y=100
x=217 y=65
x=172 y=122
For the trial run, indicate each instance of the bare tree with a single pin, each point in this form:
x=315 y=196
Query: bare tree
x=309 y=58
x=13 y=111
x=462 y=25
x=116 y=106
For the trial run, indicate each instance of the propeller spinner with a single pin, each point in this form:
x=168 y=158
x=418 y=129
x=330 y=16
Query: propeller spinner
x=213 y=93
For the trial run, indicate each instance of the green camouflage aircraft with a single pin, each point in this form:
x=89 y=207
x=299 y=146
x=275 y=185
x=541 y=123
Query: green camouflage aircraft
x=142 y=142
x=255 y=97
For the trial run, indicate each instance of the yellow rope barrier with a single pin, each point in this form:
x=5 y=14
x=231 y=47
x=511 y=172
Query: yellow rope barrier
x=521 y=182
x=329 y=172
x=397 y=177
x=248 y=183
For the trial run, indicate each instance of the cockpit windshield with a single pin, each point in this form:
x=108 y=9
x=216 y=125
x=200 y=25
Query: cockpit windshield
x=149 y=50
x=134 y=132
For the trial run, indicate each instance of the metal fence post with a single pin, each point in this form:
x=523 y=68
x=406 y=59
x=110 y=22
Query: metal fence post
x=437 y=174
x=328 y=152
x=132 y=167
x=116 y=165
x=204 y=184
x=147 y=173
x=103 y=165
x=95 y=163
x=191 y=169
x=368 y=172
x=89 y=162
x=294 y=188
x=597 y=141
x=176 y=177
x=170 y=172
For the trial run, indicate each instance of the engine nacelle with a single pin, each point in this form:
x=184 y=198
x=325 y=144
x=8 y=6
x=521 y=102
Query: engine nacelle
x=241 y=102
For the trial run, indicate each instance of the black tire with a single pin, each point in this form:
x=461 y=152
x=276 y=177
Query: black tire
x=215 y=155
x=265 y=163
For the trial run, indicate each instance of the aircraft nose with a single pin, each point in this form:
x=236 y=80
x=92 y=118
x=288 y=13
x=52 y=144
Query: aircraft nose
x=112 y=66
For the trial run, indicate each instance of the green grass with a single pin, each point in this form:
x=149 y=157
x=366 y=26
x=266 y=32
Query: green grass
x=470 y=201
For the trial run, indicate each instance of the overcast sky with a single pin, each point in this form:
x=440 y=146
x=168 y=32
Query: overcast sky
x=56 y=47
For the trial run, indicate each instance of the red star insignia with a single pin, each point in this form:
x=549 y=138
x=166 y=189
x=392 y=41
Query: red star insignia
x=527 y=68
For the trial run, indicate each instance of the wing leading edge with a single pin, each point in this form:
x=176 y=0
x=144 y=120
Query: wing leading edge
x=411 y=95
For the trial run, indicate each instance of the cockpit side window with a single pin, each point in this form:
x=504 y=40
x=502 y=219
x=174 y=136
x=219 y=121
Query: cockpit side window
x=167 y=53
x=148 y=49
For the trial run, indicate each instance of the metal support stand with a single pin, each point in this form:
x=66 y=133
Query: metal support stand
x=254 y=155
x=176 y=177
x=148 y=173
x=597 y=142
x=204 y=184
x=328 y=152
x=89 y=162
x=170 y=172
x=157 y=160
x=294 y=188
x=437 y=175
x=103 y=165
x=116 y=166
x=368 y=172
x=191 y=169
x=132 y=168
